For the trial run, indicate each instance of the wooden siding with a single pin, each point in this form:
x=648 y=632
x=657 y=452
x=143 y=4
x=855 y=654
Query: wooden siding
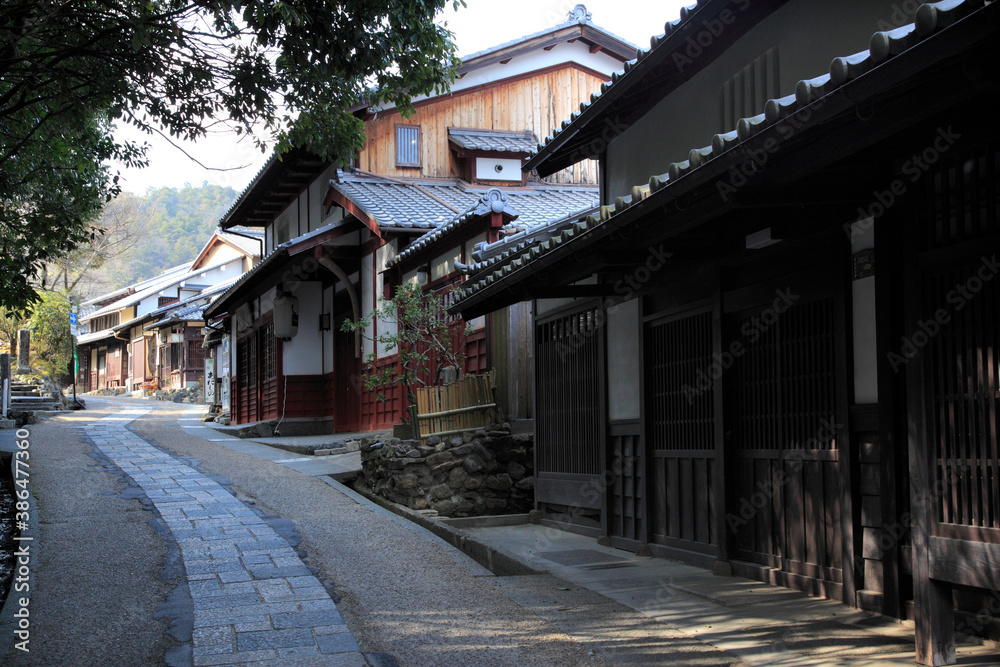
x=538 y=103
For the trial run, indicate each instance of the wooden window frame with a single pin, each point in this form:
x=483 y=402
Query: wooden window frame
x=397 y=128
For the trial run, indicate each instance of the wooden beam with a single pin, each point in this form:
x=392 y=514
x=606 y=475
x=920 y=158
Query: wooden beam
x=571 y=291
x=964 y=562
x=334 y=196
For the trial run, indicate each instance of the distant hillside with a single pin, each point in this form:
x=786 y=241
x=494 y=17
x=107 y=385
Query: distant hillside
x=178 y=223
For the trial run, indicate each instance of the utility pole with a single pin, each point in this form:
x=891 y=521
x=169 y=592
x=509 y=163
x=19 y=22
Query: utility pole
x=73 y=309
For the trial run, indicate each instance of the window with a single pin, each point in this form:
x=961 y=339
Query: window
x=407 y=145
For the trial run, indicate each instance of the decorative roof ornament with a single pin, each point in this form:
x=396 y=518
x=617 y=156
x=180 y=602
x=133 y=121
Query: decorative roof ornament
x=579 y=14
x=493 y=201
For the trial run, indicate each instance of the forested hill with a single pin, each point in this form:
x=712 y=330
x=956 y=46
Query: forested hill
x=177 y=222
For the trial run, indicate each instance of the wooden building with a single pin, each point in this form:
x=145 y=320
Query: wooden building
x=150 y=333
x=333 y=235
x=773 y=352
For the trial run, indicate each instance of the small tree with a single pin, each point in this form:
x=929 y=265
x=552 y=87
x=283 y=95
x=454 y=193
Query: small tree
x=51 y=342
x=424 y=338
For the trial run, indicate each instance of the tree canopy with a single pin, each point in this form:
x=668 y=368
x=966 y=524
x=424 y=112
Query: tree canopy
x=290 y=74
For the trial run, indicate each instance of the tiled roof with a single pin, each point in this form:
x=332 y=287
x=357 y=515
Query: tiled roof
x=396 y=204
x=494 y=201
x=251 y=246
x=930 y=18
x=500 y=141
x=578 y=16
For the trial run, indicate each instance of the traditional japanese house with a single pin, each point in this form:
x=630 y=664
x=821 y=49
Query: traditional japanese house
x=115 y=350
x=332 y=233
x=774 y=351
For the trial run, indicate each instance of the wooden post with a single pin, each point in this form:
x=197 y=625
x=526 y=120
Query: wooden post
x=4 y=384
x=23 y=351
x=933 y=613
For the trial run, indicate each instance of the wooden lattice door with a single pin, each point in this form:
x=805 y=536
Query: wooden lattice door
x=783 y=439
x=680 y=428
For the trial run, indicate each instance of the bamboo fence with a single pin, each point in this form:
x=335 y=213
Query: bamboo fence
x=464 y=405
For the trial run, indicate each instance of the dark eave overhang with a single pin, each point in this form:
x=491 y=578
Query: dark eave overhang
x=278 y=182
x=644 y=82
x=910 y=86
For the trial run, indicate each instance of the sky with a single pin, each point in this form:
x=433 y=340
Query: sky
x=480 y=25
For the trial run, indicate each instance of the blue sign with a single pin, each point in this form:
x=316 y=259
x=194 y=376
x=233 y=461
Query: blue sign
x=72 y=318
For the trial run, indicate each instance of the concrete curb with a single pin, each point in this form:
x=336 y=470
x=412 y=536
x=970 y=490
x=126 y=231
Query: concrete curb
x=8 y=623
x=494 y=560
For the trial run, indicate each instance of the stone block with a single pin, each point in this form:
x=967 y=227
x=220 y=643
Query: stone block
x=516 y=470
x=457 y=478
x=439 y=492
x=501 y=482
x=474 y=481
x=443 y=507
x=439 y=457
x=444 y=467
x=462 y=450
x=473 y=464
x=494 y=504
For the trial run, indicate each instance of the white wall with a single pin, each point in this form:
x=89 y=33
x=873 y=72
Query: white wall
x=383 y=256
x=624 y=371
x=301 y=352
x=328 y=335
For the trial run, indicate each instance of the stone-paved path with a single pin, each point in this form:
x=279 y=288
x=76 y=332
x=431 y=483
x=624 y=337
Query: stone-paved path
x=254 y=600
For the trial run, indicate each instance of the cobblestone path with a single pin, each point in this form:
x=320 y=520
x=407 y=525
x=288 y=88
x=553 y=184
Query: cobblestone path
x=254 y=600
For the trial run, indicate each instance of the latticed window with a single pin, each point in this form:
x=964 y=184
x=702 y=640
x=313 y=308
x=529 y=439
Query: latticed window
x=569 y=393
x=784 y=386
x=269 y=353
x=680 y=388
x=407 y=145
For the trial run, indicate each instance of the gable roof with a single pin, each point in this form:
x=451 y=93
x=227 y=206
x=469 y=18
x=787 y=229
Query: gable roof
x=962 y=23
x=250 y=247
x=578 y=26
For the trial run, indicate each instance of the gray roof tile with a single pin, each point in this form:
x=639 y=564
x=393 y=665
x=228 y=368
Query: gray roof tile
x=930 y=18
x=500 y=141
x=396 y=204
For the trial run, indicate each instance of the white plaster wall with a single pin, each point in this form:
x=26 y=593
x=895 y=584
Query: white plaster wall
x=300 y=353
x=367 y=302
x=383 y=256
x=624 y=371
x=329 y=333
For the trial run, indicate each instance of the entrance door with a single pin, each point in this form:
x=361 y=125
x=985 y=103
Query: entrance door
x=783 y=440
x=680 y=429
x=347 y=382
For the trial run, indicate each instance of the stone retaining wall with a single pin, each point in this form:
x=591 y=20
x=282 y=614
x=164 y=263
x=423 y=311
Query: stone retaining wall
x=479 y=473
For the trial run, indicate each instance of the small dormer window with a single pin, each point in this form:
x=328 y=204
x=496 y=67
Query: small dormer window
x=408 y=146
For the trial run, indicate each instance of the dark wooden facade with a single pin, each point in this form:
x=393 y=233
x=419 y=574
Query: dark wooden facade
x=813 y=341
